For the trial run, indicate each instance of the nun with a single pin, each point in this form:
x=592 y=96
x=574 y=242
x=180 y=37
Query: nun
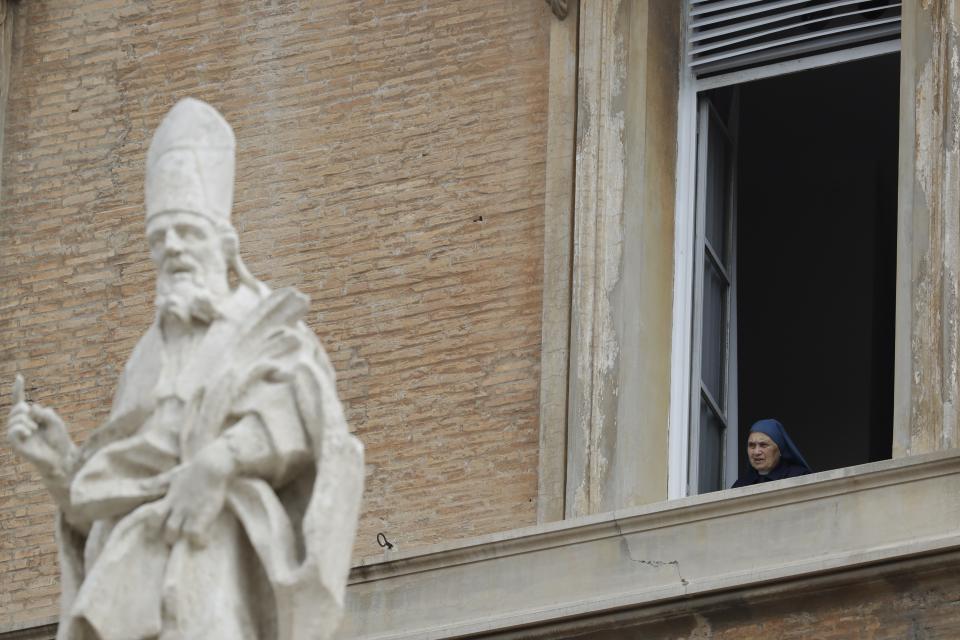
x=772 y=455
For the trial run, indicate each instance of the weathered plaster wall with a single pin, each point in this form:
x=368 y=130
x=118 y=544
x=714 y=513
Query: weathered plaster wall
x=927 y=385
x=623 y=255
x=643 y=298
x=390 y=165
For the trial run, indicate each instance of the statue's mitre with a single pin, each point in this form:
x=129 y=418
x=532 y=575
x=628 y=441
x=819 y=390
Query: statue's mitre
x=190 y=164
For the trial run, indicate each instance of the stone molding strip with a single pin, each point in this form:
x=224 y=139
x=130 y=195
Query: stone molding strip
x=557 y=266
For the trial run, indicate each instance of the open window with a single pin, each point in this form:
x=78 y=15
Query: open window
x=792 y=255
x=713 y=410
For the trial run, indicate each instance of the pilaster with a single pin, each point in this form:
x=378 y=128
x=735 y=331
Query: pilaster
x=927 y=383
x=623 y=255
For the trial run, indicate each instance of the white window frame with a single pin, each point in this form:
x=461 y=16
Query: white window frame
x=679 y=437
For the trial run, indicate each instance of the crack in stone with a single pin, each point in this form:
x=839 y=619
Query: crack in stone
x=651 y=563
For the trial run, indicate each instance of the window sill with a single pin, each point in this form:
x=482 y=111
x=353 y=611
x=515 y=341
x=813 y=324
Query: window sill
x=816 y=525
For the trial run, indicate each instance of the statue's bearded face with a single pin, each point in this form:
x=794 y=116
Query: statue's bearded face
x=191 y=265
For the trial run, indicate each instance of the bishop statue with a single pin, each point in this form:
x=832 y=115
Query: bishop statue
x=220 y=498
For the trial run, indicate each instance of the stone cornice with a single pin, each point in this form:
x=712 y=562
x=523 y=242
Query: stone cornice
x=819 y=486
x=825 y=523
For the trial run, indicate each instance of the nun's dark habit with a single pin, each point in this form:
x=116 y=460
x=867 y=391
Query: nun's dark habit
x=791 y=462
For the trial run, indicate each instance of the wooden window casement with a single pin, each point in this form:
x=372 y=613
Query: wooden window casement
x=745 y=44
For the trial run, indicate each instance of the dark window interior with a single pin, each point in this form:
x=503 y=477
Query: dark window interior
x=816 y=258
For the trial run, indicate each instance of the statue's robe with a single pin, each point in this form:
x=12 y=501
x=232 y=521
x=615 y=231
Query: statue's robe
x=278 y=553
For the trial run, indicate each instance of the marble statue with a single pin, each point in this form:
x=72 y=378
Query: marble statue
x=220 y=499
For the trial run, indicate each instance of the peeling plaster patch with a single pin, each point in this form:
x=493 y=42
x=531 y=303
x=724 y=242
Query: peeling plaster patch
x=608 y=258
x=581 y=499
x=601 y=465
x=935 y=338
x=598 y=462
x=619 y=65
x=609 y=347
x=580 y=502
x=923 y=343
x=612 y=164
x=585 y=118
x=612 y=268
x=933 y=231
x=950 y=201
x=926 y=333
x=953 y=42
x=924 y=96
x=951 y=311
x=587 y=162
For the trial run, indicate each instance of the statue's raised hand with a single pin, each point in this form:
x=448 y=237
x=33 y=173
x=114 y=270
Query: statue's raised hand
x=38 y=434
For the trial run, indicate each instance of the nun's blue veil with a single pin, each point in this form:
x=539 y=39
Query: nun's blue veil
x=775 y=431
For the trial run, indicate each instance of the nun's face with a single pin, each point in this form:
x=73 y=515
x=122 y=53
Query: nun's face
x=763 y=452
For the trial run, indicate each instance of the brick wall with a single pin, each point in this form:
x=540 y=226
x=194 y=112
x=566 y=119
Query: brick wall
x=390 y=165
x=908 y=604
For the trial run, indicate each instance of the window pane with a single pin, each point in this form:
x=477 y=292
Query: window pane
x=714 y=336
x=717 y=191
x=710 y=463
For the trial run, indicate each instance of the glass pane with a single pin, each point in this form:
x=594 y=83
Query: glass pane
x=718 y=152
x=710 y=462
x=714 y=336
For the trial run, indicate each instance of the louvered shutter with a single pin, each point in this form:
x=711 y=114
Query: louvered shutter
x=728 y=35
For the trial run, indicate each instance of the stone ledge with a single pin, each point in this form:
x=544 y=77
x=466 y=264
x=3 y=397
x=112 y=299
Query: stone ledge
x=42 y=630
x=827 y=522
